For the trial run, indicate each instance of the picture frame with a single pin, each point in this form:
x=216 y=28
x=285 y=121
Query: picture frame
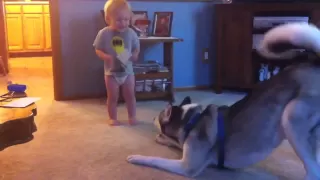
x=162 y=24
x=142 y=29
x=138 y=15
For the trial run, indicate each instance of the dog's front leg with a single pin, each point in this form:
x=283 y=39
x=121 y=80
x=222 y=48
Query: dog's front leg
x=297 y=121
x=167 y=141
x=194 y=160
x=171 y=165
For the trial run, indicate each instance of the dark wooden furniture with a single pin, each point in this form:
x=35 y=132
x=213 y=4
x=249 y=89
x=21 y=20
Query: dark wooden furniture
x=167 y=62
x=234 y=67
x=17 y=125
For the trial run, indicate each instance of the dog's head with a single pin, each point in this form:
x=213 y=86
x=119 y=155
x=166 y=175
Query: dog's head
x=173 y=118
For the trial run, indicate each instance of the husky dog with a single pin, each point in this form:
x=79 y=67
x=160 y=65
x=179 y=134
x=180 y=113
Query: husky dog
x=287 y=106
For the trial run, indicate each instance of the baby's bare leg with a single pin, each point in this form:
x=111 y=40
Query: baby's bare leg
x=128 y=93
x=112 y=87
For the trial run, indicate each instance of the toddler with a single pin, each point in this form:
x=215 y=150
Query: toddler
x=118 y=46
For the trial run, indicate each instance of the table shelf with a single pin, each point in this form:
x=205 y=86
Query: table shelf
x=151 y=76
x=168 y=94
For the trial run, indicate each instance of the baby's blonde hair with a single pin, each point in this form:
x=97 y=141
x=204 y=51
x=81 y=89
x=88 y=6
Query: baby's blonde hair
x=112 y=6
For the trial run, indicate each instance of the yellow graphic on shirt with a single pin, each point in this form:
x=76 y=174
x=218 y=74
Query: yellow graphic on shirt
x=117 y=44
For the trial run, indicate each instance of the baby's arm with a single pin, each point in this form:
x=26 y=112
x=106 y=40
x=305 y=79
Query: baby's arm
x=99 y=44
x=103 y=56
x=135 y=46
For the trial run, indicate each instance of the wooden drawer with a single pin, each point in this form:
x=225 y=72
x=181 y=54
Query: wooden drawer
x=46 y=8
x=32 y=9
x=13 y=8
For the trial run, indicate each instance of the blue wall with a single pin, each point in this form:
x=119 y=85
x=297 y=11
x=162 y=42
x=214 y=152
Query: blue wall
x=81 y=20
x=193 y=22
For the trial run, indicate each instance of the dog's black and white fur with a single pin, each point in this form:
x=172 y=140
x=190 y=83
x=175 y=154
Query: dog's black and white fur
x=287 y=106
x=172 y=123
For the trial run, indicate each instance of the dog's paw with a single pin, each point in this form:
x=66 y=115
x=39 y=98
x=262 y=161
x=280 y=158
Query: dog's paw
x=159 y=138
x=135 y=159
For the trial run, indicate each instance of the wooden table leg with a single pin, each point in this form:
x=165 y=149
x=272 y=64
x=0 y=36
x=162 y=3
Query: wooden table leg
x=168 y=62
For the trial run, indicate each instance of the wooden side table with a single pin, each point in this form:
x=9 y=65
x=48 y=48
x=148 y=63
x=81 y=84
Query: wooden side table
x=17 y=125
x=167 y=62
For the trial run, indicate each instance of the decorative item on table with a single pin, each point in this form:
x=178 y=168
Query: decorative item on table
x=276 y=70
x=14 y=90
x=141 y=27
x=266 y=71
x=140 y=23
x=162 y=24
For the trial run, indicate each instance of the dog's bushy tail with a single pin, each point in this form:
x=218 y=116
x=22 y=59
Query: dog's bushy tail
x=288 y=40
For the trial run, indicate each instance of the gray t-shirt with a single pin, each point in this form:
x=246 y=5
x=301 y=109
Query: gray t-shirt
x=114 y=43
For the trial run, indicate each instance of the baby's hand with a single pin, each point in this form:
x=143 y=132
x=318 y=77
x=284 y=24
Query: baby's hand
x=124 y=56
x=109 y=60
x=135 y=55
x=108 y=57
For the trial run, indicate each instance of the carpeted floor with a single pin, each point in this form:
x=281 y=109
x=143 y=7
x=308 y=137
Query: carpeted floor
x=74 y=142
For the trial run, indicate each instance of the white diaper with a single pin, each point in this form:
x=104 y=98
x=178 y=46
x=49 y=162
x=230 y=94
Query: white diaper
x=120 y=79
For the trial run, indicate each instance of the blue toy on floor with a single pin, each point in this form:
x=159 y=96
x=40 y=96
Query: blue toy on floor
x=17 y=88
x=12 y=88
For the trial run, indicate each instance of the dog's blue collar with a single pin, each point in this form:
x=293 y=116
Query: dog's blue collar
x=191 y=123
x=221 y=134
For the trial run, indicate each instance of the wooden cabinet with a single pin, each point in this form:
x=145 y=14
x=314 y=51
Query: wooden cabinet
x=28 y=28
x=235 y=68
x=47 y=30
x=232 y=46
x=33 y=31
x=14 y=32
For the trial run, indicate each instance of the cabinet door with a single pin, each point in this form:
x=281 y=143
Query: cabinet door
x=14 y=32
x=47 y=29
x=33 y=31
x=234 y=51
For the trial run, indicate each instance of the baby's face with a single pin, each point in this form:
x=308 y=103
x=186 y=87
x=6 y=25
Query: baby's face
x=121 y=19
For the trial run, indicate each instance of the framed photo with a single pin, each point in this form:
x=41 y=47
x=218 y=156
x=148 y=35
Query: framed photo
x=140 y=23
x=137 y=15
x=162 y=24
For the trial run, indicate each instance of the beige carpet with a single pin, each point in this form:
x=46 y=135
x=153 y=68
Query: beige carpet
x=74 y=142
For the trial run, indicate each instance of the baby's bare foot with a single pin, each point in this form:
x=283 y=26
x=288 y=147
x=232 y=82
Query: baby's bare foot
x=133 y=122
x=112 y=122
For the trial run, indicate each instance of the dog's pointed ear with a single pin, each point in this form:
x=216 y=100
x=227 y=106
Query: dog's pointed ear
x=186 y=100
x=167 y=113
